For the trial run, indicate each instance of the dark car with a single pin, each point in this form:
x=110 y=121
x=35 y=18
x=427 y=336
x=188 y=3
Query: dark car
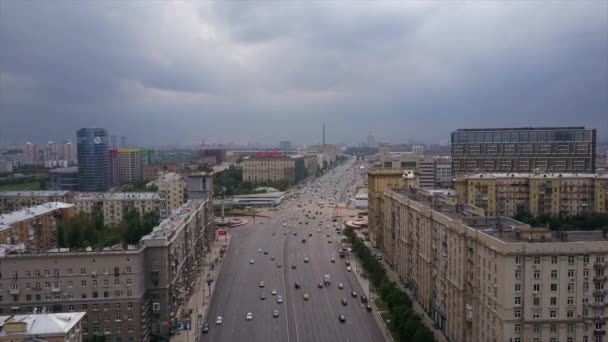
x=342 y=318
x=363 y=299
x=294 y=234
x=354 y=294
x=265 y=251
x=347 y=263
x=309 y=234
x=320 y=285
x=205 y=328
x=293 y=266
x=263 y=296
x=303 y=240
x=344 y=302
x=368 y=307
x=296 y=285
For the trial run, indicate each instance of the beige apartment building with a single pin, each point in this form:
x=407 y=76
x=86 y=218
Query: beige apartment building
x=129 y=293
x=15 y=200
x=275 y=169
x=378 y=180
x=115 y=205
x=535 y=193
x=35 y=227
x=172 y=191
x=484 y=278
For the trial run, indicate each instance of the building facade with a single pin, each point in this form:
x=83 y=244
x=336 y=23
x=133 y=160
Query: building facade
x=548 y=149
x=65 y=178
x=172 y=191
x=537 y=194
x=275 y=169
x=93 y=159
x=130 y=166
x=16 y=200
x=35 y=227
x=493 y=278
x=129 y=294
x=115 y=205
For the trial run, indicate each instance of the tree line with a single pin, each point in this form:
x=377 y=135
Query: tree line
x=405 y=323
x=591 y=221
x=89 y=230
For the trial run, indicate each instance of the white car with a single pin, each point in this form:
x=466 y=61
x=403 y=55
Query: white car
x=259 y=250
x=251 y=261
x=348 y=268
x=249 y=316
x=306 y=259
x=279 y=299
x=218 y=321
x=274 y=292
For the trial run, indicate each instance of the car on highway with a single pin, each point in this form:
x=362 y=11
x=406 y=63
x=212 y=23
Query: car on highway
x=296 y=285
x=340 y=286
x=309 y=234
x=342 y=318
x=363 y=299
x=261 y=284
x=218 y=321
x=306 y=296
x=279 y=265
x=272 y=258
x=327 y=235
x=320 y=285
x=273 y=234
x=328 y=241
x=293 y=266
x=333 y=259
x=319 y=230
x=347 y=263
x=279 y=299
x=263 y=296
x=354 y=294
x=274 y=292
x=265 y=251
x=249 y=316
x=275 y=313
x=344 y=302
x=306 y=259
x=205 y=328
x=251 y=261
x=348 y=268
x=259 y=250
x=368 y=307
x=303 y=240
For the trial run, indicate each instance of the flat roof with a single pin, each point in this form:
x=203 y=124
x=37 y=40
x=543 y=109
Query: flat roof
x=62 y=170
x=7 y=220
x=493 y=175
x=116 y=196
x=517 y=129
x=33 y=193
x=263 y=195
x=43 y=324
x=167 y=227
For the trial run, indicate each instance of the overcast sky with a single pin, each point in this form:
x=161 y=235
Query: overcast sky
x=163 y=73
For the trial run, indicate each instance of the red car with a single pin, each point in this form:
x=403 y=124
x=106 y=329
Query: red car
x=320 y=285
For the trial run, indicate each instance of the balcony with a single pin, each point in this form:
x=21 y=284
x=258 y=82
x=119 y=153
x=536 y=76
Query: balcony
x=597 y=305
x=55 y=289
x=14 y=291
x=599 y=264
x=599 y=292
x=599 y=278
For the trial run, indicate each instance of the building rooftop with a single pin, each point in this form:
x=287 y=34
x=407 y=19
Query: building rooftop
x=7 y=220
x=170 y=177
x=65 y=170
x=517 y=128
x=167 y=227
x=502 y=228
x=40 y=325
x=33 y=193
x=535 y=175
x=116 y=196
x=263 y=195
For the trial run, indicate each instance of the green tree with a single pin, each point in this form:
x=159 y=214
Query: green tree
x=42 y=185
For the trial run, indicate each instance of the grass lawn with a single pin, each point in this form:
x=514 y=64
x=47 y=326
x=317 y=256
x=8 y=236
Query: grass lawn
x=380 y=304
x=386 y=318
x=30 y=186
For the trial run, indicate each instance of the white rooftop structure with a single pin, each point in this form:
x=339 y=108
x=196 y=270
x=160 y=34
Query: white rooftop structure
x=167 y=227
x=170 y=177
x=33 y=193
x=41 y=325
x=116 y=196
x=7 y=220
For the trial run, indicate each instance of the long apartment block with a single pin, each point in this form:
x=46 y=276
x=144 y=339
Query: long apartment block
x=15 y=200
x=129 y=293
x=484 y=278
x=115 y=205
x=535 y=193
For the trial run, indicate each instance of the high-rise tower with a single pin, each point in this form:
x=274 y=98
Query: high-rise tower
x=324 y=134
x=93 y=159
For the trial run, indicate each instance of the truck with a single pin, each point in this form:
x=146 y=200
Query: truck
x=326 y=280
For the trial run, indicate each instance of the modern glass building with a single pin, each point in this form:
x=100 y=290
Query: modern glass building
x=93 y=159
x=546 y=149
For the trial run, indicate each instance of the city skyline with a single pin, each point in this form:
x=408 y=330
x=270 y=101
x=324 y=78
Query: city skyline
x=269 y=71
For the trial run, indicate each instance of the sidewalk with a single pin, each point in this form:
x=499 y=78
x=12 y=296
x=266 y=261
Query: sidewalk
x=201 y=297
x=439 y=336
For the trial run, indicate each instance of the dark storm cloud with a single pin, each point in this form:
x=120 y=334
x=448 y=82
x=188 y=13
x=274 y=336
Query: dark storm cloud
x=175 y=72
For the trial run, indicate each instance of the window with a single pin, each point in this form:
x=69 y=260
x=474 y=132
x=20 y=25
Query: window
x=37 y=273
x=70 y=307
x=554 y=260
x=130 y=328
x=586 y=273
x=570 y=273
x=585 y=286
x=47 y=273
x=69 y=271
x=570 y=301
x=70 y=284
x=83 y=271
x=28 y=273
x=129 y=306
x=518 y=274
x=571 y=260
x=536 y=260
x=47 y=285
x=553 y=274
x=553 y=287
x=536 y=328
x=128 y=269
x=553 y=314
x=116 y=282
x=536 y=314
x=536 y=287
x=106 y=282
x=129 y=283
x=536 y=274
x=118 y=317
x=117 y=293
x=129 y=293
x=85 y=331
x=95 y=330
x=553 y=328
x=517 y=287
x=27 y=285
x=85 y=307
x=56 y=273
x=570 y=287
x=95 y=307
x=517 y=260
x=570 y=313
x=106 y=330
x=586 y=259
x=129 y=317
x=106 y=294
x=94 y=283
x=536 y=301
x=83 y=283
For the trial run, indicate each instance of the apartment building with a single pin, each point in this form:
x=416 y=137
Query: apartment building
x=15 y=200
x=484 y=278
x=128 y=293
x=275 y=169
x=115 y=205
x=62 y=327
x=378 y=180
x=172 y=191
x=535 y=193
x=549 y=149
x=35 y=227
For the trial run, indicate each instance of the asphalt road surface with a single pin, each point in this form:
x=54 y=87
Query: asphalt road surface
x=238 y=291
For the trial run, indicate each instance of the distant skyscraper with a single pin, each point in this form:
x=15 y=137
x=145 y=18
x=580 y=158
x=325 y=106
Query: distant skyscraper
x=285 y=145
x=123 y=142
x=324 y=134
x=114 y=144
x=93 y=159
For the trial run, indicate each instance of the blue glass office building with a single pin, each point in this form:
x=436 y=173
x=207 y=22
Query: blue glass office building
x=93 y=159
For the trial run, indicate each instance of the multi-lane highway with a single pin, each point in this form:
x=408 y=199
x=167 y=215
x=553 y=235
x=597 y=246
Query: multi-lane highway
x=238 y=291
